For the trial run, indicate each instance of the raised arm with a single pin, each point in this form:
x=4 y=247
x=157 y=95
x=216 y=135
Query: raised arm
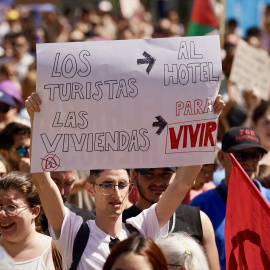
x=176 y=192
x=48 y=192
x=184 y=178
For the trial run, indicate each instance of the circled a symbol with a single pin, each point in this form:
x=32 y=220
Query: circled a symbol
x=50 y=163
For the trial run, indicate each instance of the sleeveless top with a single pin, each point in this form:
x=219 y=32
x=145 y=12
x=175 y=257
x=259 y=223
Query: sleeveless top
x=186 y=218
x=43 y=262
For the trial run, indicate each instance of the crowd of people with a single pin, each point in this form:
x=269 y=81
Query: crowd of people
x=139 y=218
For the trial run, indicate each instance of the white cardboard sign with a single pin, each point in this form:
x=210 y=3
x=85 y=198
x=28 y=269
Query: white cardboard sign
x=126 y=104
x=251 y=68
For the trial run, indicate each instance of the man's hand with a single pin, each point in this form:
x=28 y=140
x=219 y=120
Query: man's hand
x=32 y=105
x=25 y=165
x=218 y=105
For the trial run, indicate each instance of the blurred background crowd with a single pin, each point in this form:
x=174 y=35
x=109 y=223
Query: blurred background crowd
x=24 y=23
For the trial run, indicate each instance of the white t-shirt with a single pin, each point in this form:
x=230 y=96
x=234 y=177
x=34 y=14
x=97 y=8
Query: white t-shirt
x=6 y=262
x=43 y=262
x=97 y=248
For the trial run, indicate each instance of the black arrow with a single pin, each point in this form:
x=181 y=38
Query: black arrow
x=147 y=60
x=161 y=124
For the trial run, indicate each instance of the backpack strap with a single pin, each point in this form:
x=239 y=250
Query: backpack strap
x=131 y=229
x=222 y=193
x=79 y=245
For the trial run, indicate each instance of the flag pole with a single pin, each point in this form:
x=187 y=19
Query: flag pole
x=222 y=24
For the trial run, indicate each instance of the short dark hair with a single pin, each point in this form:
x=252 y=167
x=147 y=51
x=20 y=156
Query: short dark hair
x=140 y=245
x=94 y=174
x=7 y=134
x=260 y=111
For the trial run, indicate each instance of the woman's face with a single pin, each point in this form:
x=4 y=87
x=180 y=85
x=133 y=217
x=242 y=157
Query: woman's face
x=18 y=227
x=131 y=261
x=263 y=129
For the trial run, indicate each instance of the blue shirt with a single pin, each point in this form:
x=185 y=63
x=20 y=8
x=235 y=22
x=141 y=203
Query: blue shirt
x=213 y=205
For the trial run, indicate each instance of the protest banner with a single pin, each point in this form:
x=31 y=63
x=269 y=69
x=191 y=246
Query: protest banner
x=251 y=69
x=126 y=104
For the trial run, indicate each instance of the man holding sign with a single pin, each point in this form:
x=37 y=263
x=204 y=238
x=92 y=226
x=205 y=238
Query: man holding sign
x=110 y=188
x=109 y=109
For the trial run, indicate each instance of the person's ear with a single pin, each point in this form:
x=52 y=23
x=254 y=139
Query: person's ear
x=14 y=111
x=253 y=125
x=36 y=211
x=135 y=177
x=4 y=154
x=90 y=189
x=221 y=158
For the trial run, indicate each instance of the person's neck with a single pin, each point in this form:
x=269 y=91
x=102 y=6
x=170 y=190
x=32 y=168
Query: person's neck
x=266 y=146
x=10 y=168
x=142 y=204
x=18 y=58
x=226 y=181
x=16 y=249
x=110 y=225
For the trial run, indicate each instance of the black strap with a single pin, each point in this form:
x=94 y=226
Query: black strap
x=131 y=229
x=222 y=193
x=79 y=245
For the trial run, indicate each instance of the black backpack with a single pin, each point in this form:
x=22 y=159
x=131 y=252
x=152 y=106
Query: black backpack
x=81 y=240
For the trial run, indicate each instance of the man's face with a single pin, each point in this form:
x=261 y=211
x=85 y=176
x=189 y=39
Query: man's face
x=263 y=128
x=152 y=184
x=248 y=159
x=20 y=46
x=7 y=113
x=64 y=181
x=204 y=176
x=114 y=204
x=12 y=156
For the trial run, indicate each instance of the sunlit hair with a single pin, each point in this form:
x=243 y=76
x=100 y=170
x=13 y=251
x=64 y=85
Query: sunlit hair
x=181 y=249
x=260 y=110
x=140 y=245
x=23 y=183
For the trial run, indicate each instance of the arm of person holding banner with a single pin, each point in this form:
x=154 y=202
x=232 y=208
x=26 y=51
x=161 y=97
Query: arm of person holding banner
x=47 y=189
x=184 y=179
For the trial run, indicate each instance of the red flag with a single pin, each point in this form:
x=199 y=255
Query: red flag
x=203 y=18
x=247 y=224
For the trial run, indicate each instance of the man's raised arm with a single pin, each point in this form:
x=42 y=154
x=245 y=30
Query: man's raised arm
x=184 y=178
x=48 y=192
x=176 y=192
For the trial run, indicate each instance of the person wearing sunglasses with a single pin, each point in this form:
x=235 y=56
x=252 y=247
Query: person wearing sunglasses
x=244 y=143
x=15 y=147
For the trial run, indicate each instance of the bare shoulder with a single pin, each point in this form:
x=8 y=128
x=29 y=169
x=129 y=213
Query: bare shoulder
x=43 y=240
